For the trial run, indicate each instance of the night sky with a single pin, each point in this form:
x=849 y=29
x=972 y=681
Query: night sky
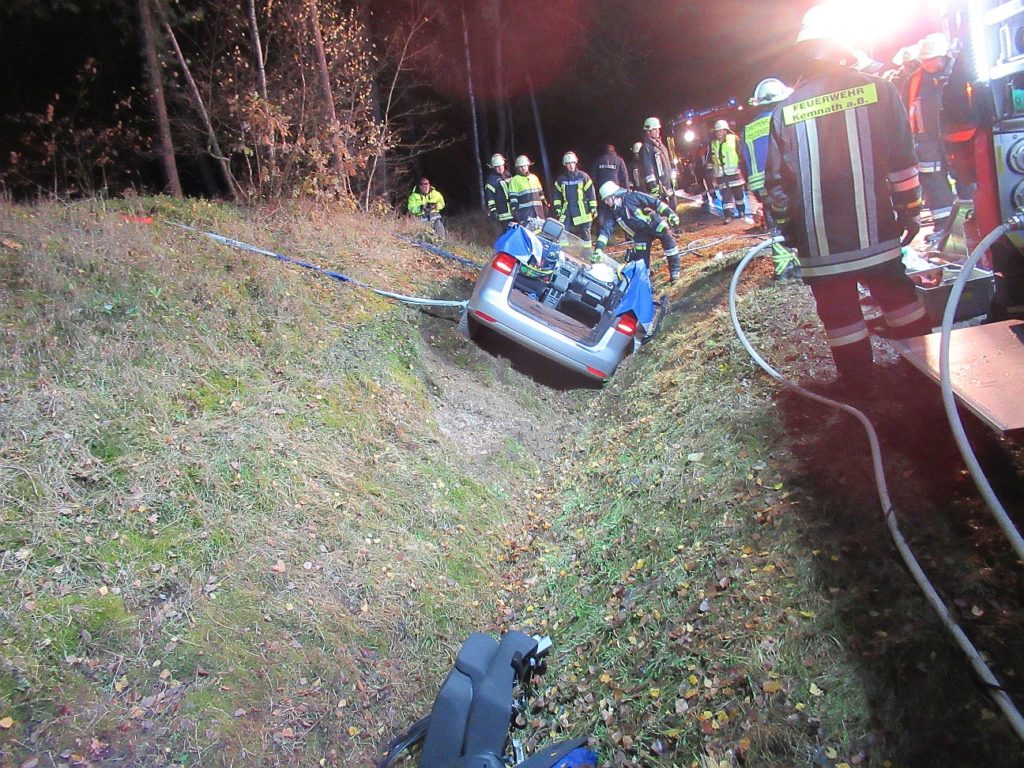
x=598 y=67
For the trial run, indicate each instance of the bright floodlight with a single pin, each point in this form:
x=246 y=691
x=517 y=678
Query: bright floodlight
x=689 y=136
x=859 y=22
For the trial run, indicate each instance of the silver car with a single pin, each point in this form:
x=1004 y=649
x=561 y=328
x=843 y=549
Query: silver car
x=554 y=301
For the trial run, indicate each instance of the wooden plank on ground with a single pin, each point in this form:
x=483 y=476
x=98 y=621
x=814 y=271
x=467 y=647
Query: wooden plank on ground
x=986 y=369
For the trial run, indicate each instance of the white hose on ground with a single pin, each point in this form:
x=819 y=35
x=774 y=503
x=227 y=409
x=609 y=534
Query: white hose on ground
x=949 y=403
x=974 y=657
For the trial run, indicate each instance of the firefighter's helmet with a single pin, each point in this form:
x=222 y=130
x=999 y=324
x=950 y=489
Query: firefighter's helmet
x=652 y=123
x=819 y=23
x=721 y=125
x=769 y=91
x=609 y=189
x=569 y=157
x=523 y=162
x=636 y=148
x=497 y=160
x=933 y=46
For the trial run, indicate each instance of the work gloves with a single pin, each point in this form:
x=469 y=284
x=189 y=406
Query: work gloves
x=784 y=258
x=910 y=225
x=596 y=256
x=673 y=219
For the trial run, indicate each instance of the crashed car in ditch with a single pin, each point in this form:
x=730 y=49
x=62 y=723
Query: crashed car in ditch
x=542 y=291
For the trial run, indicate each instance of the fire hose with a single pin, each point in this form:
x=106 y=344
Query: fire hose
x=995 y=688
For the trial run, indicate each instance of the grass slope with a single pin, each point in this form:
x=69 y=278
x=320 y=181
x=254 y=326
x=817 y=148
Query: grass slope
x=231 y=529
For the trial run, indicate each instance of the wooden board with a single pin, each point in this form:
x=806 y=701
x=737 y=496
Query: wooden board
x=986 y=369
x=550 y=316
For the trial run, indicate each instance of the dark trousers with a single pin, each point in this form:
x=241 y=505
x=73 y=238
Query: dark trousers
x=838 y=303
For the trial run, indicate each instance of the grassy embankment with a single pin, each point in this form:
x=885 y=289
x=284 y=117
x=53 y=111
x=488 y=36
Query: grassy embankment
x=230 y=529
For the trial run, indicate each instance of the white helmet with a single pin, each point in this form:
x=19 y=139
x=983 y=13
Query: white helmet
x=497 y=160
x=933 y=46
x=651 y=123
x=608 y=189
x=636 y=148
x=522 y=162
x=721 y=125
x=570 y=157
x=819 y=23
x=769 y=91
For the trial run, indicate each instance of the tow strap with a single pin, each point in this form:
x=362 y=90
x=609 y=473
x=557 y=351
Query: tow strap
x=414 y=300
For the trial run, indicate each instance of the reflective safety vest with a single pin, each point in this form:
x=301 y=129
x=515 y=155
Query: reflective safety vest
x=575 y=199
x=755 y=149
x=499 y=205
x=527 y=197
x=638 y=214
x=725 y=155
x=418 y=202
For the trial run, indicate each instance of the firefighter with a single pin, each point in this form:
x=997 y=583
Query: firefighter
x=656 y=165
x=642 y=217
x=499 y=204
x=427 y=203
x=575 y=200
x=924 y=104
x=767 y=94
x=610 y=166
x=725 y=159
x=841 y=181
x=526 y=193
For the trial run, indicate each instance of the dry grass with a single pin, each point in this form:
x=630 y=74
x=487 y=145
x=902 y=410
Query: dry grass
x=228 y=533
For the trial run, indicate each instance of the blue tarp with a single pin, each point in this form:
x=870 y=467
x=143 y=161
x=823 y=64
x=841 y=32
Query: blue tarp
x=639 y=294
x=522 y=244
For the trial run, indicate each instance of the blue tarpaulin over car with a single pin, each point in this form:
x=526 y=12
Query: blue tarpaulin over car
x=522 y=244
x=639 y=295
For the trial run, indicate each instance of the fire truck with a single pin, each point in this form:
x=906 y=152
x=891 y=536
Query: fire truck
x=690 y=138
x=988 y=42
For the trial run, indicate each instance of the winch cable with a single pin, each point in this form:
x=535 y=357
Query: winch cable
x=995 y=688
x=439 y=251
x=418 y=301
x=945 y=382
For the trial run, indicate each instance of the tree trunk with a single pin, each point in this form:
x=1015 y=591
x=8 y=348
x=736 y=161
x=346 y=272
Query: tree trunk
x=472 y=105
x=213 y=146
x=156 y=92
x=493 y=11
x=540 y=135
x=257 y=47
x=337 y=155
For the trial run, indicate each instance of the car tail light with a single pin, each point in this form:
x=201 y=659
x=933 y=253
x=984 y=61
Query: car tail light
x=483 y=316
x=504 y=263
x=595 y=372
x=626 y=324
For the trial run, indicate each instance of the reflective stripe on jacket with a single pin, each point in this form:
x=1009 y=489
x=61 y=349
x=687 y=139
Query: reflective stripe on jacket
x=638 y=213
x=499 y=206
x=527 y=197
x=840 y=156
x=418 y=201
x=575 y=199
x=755 y=149
x=725 y=155
x=655 y=165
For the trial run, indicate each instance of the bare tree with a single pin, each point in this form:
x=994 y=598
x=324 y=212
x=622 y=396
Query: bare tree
x=156 y=92
x=197 y=101
x=333 y=127
x=472 y=104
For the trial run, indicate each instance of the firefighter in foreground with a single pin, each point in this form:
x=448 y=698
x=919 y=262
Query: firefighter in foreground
x=642 y=217
x=842 y=183
x=575 y=199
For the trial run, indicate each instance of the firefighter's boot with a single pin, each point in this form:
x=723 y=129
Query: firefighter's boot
x=675 y=264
